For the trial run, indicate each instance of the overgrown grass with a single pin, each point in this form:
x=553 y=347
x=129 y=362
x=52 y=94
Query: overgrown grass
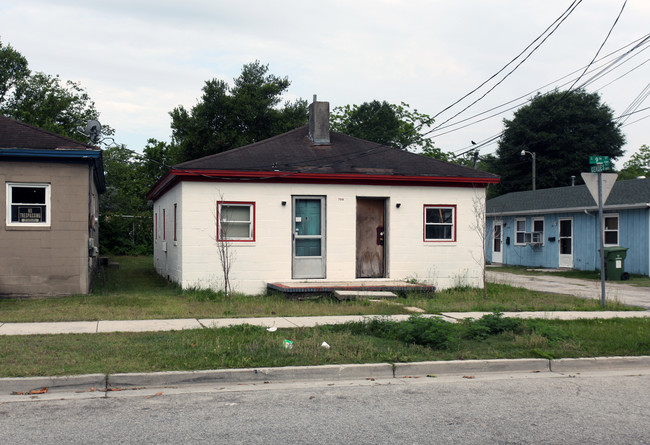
x=364 y=342
x=134 y=291
x=635 y=280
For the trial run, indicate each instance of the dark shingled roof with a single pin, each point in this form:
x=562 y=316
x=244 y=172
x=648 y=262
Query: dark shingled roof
x=20 y=141
x=634 y=192
x=15 y=134
x=295 y=152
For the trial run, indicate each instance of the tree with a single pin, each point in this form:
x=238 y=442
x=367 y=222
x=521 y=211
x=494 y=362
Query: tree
x=49 y=103
x=388 y=124
x=638 y=165
x=13 y=69
x=563 y=129
x=229 y=117
x=43 y=100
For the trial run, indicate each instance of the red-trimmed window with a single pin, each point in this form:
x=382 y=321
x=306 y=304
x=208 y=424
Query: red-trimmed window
x=236 y=221
x=439 y=223
x=175 y=214
x=155 y=229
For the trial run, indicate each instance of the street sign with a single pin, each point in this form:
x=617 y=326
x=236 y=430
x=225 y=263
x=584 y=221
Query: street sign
x=599 y=163
x=598 y=160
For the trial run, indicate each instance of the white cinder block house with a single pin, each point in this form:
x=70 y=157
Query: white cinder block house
x=310 y=206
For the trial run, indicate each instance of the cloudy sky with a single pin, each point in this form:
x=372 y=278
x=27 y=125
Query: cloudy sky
x=139 y=59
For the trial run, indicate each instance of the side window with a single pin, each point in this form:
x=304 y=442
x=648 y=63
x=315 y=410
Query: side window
x=236 y=221
x=611 y=230
x=538 y=230
x=28 y=204
x=520 y=231
x=439 y=223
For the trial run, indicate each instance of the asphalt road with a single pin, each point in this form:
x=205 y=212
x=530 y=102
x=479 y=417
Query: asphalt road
x=614 y=291
x=548 y=408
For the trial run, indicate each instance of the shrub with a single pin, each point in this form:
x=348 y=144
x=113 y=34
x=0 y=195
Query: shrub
x=492 y=324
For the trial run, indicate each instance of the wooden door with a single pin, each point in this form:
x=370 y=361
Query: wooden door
x=371 y=238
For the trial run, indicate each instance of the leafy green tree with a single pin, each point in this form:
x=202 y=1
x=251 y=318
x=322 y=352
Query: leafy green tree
x=229 y=117
x=638 y=165
x=563 y=129
x=125 y=214
x=50 y=103
x=13 y=69
x=388 y=124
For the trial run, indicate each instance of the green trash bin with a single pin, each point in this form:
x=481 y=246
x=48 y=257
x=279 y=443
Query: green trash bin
x=615 y=263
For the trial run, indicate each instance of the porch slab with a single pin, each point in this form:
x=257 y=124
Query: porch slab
x=307 y=289
x=354 y=294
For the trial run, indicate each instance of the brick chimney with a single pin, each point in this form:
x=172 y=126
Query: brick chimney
x=319 y=122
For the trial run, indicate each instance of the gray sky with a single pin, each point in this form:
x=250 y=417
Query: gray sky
x=139 y=59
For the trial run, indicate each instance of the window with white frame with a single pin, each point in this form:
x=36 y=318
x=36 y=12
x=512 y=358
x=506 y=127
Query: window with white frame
x=236 y=221
x=538 y=230
x=439 y=223
x=28 y=204
x=520 y=231
x=611 y=230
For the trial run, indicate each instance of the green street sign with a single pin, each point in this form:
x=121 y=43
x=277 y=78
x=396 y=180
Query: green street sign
x=599 y=168
x=594 y=160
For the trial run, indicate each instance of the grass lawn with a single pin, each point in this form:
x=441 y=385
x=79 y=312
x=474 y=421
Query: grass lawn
x=251 y=346
x=135 y=292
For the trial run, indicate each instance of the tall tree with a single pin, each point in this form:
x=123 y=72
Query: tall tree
x=13 y=69
x=229 y=117
x=388 y=124
x=126 y=216
x=563 y=129
x=50 y=103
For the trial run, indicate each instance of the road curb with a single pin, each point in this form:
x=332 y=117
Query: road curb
x=598 y=363
x=32 y=385
x=471 y=366
x=252 y=375
x=112 y=382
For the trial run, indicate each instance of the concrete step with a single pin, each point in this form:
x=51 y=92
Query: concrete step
x=354 y=294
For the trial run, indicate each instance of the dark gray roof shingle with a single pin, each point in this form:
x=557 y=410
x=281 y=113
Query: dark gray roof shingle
x=294 y=152
x=16 y=134
x=630 y=192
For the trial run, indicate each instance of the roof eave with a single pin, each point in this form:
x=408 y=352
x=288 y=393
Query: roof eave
x=593 y=208
x=175 y=175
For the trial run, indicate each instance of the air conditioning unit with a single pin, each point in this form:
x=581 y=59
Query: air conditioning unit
x=533 y=238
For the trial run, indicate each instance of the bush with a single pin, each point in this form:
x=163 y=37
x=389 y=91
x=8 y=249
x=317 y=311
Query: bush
x=431 y=332
x=492 y=324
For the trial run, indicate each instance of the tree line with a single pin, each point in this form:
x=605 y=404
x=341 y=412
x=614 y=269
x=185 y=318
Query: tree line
x=562 y=128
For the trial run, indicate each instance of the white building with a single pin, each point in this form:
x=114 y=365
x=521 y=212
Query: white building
x=314 y=207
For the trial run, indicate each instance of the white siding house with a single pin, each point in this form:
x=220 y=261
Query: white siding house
x=336 y=210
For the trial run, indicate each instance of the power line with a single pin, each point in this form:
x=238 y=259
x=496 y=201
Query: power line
x=560 y=19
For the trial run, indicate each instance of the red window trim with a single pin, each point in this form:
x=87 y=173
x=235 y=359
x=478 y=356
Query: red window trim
x=175 y=213
x=424 y=223
x=253 y=229
x=164 y=224
x=156 y=227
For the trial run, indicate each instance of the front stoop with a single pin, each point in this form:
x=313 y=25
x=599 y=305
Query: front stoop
x=361 y=289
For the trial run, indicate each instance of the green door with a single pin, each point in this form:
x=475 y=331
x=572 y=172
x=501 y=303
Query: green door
x=308 y=237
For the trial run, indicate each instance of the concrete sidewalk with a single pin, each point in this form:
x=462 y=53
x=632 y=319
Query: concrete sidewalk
x=614 y=291
x=105 y=326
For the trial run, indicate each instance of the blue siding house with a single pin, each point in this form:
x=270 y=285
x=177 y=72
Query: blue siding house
x=559 y=227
